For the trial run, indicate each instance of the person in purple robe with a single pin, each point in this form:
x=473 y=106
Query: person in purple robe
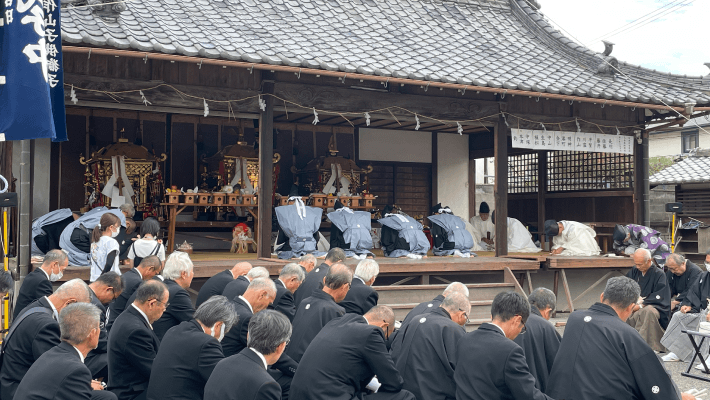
x=629 y=238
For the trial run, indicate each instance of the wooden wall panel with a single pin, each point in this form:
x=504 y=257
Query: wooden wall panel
x=72 y=172
x=381 y=181
x=181 y=158
x=283 y=146
x=304 y=147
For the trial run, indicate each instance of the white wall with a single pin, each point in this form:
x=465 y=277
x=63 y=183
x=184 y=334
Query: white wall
x=452 y=172
x=669 y=144
x=398 y=146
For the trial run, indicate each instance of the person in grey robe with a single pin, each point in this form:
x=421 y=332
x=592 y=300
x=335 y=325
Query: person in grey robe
x=424 y=350
x=402 y=235
x=299 y=223
x=541 y=340
x=47 y=229
x=601 y=357
x=449 y=233
x=350 y=231
x=75 y=238
x=693 y=311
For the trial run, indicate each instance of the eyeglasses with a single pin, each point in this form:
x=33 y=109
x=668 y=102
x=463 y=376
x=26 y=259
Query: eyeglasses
x=166 y=304
x=525 y=329
x=114 y=294
x=465 y=314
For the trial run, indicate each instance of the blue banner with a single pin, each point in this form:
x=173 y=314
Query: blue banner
x=31 y=73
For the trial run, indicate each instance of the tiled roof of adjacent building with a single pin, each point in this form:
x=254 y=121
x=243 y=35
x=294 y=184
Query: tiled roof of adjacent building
x=692 y=169
x=505 y=44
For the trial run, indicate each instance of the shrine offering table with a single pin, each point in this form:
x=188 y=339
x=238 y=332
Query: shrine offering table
x=174 y=209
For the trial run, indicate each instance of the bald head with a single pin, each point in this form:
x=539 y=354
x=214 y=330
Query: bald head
x=381 y=316
x=455 y=287
x=241 y=268
x=73 y=291
x=642 y=260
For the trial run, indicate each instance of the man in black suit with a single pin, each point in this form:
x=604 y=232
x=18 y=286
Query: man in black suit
x=429 y=306
x=238 y=286
x=103 y=291
x=60 y=374
x=216 y=284
x=317 y=310
x=178 y=274
x=362 y=297
x=308 y=262
x=314 y=279
x=146 y=270
x=38 y=283
x=132 y=345
x=345 y=356
x=189 y=352
x=489 y=365
x=290 y=278
x=269 y=331
x=260 y=293
x=35 y=334
x=541 y=340
x=425 y=349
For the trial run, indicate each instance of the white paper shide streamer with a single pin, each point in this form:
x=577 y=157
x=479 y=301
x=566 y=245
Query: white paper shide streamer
x=367 y=119
x=73 y=95
x=207 y=108
x=145 y=101
x=315 y=114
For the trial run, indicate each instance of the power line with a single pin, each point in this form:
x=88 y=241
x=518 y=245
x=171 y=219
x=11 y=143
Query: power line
x=643 y=17
x=655 y=18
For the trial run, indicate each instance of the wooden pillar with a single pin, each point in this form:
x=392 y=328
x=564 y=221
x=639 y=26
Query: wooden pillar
x=500 y=148
x=541 y=195
x=434 y=168
x=266 y=172
x=471 y=187
x=640 y=180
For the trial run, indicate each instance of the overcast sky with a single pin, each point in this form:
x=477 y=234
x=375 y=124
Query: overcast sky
x=676 y=42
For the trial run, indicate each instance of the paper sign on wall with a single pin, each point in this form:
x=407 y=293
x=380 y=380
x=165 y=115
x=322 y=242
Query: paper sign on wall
x=572 y=141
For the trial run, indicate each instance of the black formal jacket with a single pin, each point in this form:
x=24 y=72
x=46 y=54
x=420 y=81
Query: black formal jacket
x=184 y=363
x=344 y=357
x=214 y=286
x=103 y=335
x=35 y=286
x=360 y=298
x=49 y=239
x=680 y=285
x=540 y=343
x=252 y=382
x=424 y=308
x=491 y=366
x=236 y=339
x=131 y=279
x=283 y=302
x=313 y=281
x=58 y=374
x=697 y=296
x=236 y=287
x=441 y=238
x=312 y=315
x=424 y=354
x=132 y=346
x=654 y=290
x=37 y=333
x=179 y=309
x=337 y=239
x=602 y=357
x=390 y=240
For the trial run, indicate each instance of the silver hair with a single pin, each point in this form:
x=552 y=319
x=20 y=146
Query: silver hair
x=217 y=309
x=258 y=272
x=292 y=269
x=73 y=289
x=263 y=284
x=645 y=252
x=335 y=254
x=55 y=255
x=381 y=313
x=128 y=209
x=456 y=287
x=456 y=302
x=77 y=320
x=177 y=263
x=677 y=259
x=367 y=269
x=310 y=258
x=267 y=330
x=621 y=291
x=542 y=298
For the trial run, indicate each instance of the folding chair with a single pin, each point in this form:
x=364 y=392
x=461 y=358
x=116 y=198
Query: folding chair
x=697 y=347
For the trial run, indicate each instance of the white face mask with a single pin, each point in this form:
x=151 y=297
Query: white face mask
x=55 y=277
x=115 y=233
x=707 y=265
x=221 y=333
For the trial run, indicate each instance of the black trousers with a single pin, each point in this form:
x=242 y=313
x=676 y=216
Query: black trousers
x=283 y=380
x=98 y=365
x=401 y=395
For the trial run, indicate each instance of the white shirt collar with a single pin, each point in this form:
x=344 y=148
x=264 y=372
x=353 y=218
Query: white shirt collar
x=80 y=355
x=501 y=329
x=162 y=279
x=45 y=272
x=139 y=273
x=282 y=282
x=54 y=309
x=248 y=304
x=143 y=314
x=361 y=280
x=263 y=359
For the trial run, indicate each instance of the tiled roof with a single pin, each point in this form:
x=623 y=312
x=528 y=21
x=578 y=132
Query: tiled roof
x=496 y=43
x=691 y=169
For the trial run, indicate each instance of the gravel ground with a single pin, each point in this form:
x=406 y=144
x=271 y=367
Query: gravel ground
x=675 y=368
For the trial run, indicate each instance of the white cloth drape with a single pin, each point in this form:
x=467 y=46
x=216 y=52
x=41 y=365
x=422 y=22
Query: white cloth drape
x=577 y=240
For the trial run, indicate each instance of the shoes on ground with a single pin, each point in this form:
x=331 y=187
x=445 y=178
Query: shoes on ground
x=670 y=357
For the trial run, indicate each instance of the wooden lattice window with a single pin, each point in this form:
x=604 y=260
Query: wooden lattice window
x=576 y=170
x=522 y=173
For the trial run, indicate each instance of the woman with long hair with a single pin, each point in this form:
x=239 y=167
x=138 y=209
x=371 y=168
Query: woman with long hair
x=104 y=248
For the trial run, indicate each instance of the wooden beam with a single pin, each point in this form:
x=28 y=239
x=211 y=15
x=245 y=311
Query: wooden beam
x=434 y=168
x=541 y=192
x=471 y=188
x=266 y=188
x=500 y=188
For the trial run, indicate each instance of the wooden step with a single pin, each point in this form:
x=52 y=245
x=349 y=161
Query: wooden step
x=479 y=309
x=421 y=293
